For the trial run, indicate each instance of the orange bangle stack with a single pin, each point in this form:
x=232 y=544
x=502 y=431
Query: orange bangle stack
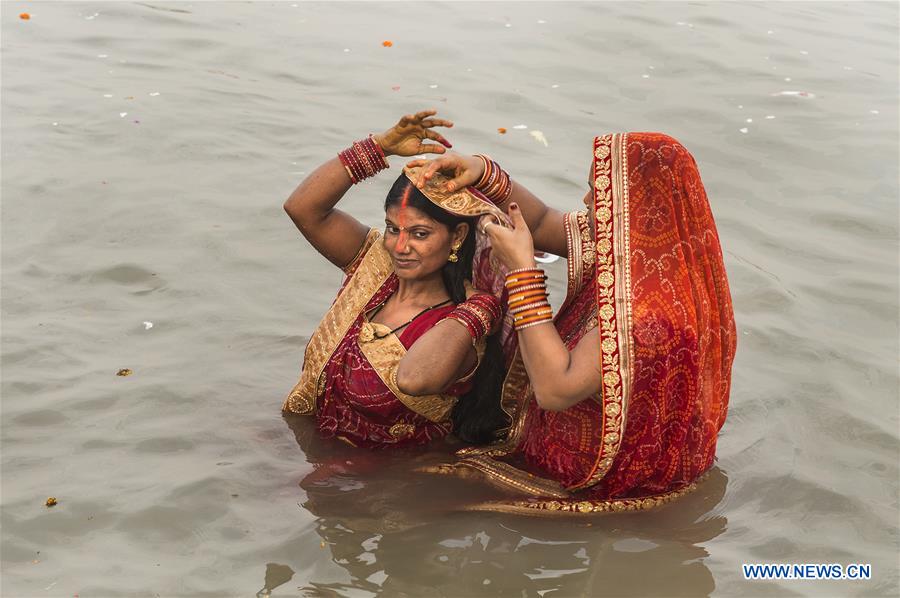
x=528 y=304
x=495 y=183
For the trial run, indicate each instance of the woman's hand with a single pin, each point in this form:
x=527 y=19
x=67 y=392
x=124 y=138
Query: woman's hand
x=463 y=171
x=514 y=246
x=407 y=137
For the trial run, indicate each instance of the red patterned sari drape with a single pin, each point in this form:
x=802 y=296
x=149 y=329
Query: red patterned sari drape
x=646 y=275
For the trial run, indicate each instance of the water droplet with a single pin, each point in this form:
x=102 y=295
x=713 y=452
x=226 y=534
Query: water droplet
x=123 y=114
x=520 y=127
x=749 y=120
x=433 y=86
x=554 y=86
x=770 y=116
x=743 y=130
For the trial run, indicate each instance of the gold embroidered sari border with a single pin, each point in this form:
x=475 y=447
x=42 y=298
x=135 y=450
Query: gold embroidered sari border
x=372 y=273
x=580 y=507
x=609 y=311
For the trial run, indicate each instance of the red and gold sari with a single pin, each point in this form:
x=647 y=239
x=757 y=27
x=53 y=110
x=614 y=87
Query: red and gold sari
x=646 y=274
x=349 y=375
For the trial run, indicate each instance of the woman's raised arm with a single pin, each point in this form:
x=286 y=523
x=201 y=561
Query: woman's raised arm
x=560 y=378
x=335 y=234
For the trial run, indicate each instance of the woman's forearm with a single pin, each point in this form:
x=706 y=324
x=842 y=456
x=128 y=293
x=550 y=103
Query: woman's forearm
x=333 y=233
x=318 y=193
x=545 y=223
x=436 y=360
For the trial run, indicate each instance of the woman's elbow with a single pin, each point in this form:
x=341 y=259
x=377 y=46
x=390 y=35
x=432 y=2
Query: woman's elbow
x=549 y=401
x=410 y=383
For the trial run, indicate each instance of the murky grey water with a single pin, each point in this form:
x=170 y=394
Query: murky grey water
x=146 y=151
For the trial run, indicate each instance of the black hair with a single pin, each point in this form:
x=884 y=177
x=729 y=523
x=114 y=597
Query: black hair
x=477 y=416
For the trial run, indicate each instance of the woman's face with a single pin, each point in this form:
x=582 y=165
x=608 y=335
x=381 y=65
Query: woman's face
x=418 y=245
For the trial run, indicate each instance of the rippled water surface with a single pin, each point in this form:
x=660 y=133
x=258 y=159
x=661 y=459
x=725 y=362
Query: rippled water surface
x=146 y=151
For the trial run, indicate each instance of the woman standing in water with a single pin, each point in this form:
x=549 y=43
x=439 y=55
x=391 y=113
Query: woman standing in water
x=403 y=353
x=617 y=402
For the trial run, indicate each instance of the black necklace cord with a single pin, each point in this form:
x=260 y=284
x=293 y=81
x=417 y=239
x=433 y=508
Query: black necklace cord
x=408 y=322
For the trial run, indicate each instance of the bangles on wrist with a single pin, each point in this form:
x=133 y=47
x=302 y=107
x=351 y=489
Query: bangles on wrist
x=528 y=297
x=495 y=183
x=478 y=314
x=363 y=159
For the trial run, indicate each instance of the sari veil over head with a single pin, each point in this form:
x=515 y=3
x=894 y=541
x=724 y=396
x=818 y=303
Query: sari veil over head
x=646 y=274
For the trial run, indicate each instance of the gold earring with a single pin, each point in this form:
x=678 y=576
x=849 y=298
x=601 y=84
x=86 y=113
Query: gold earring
x=453 y=257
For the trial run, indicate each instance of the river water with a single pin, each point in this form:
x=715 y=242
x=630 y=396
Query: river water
x=146 y=151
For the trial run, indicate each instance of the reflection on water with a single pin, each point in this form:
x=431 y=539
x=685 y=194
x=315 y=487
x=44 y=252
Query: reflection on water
x=403 y=533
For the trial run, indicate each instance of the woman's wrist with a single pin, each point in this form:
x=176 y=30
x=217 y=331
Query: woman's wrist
x=522 y=264
x=379 y=139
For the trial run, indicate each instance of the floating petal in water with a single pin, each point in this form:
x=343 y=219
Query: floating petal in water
x=744 y=130
x=124 y=372
x=501 y=130
x=387 y=43
x=799 y=94
x=520 y=127
x=148 y=325
x=25 y=16
x=539 y=136
x=123 y=114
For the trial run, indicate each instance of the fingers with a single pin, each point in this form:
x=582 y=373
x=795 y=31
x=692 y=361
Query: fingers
x=436 y=122
x=456 y=183
x=515 y=214
x=433 y=148
x=435 y=166
x=429 y=167
x=425 y=113
x=439 y=138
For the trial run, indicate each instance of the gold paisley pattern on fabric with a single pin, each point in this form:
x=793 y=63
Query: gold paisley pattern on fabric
x=503 y=475
x=574 y=506
x=384 y=355
x=371 y=273
x=610 y=215
x=462 y=202
x=402 y=430
x=371 y=238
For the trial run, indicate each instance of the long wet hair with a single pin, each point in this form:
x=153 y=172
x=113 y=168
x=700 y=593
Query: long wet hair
x=477 y=416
